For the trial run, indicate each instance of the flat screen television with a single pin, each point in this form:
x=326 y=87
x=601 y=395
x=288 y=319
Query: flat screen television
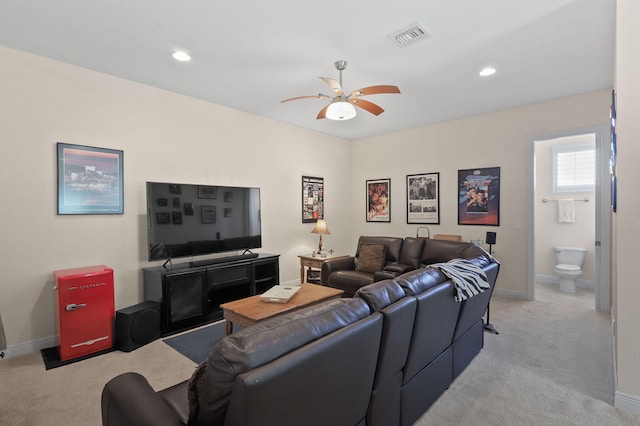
x=190 y=220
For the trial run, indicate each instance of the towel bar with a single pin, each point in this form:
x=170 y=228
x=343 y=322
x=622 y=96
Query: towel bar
x=586 y=200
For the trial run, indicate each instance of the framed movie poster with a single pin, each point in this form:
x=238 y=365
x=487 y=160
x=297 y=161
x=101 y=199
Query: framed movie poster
x=379 y=200
x=312 y=199
x=423 y=198
x=90 y=180
x=479 y=196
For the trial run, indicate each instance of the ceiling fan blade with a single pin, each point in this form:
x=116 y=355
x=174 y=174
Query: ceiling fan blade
x=368 y=106
x=375 y=90
x=323 y=112
x=318 y=96
x=335 y=86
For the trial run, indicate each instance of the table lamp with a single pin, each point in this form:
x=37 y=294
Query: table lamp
x=320 y=228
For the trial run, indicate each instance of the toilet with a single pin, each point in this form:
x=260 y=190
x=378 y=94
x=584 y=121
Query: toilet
x=569 y=266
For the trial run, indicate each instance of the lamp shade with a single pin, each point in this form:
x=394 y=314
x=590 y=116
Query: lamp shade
x=340 y=110
x=321 y=227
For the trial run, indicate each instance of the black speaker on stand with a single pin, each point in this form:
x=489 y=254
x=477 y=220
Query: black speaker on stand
x=491 y=240
x=137 y=325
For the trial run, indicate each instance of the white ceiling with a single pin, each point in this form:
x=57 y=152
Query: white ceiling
x=249 y=55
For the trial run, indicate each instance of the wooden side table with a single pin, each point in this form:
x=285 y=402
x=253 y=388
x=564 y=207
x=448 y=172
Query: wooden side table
x=309 y=261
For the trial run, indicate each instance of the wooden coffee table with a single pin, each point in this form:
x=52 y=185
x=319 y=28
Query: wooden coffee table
x=250 y=310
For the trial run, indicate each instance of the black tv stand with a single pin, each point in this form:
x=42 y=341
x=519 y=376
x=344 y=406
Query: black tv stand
x=216 y=260
x=191 y=295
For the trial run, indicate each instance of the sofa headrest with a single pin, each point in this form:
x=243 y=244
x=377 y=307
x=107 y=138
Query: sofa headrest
x=393 y=244
x=411 y=251
x=439 y=251
x=419 y=280
x=380 y=294
x=264 y=342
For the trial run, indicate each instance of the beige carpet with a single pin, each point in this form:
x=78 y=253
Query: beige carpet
x=550 y=365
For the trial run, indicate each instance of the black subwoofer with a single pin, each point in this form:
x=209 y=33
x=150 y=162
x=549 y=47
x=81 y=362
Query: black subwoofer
x=137 y=325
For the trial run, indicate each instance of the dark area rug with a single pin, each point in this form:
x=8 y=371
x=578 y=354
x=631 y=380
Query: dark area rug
x=51 y=357
x=196 y=344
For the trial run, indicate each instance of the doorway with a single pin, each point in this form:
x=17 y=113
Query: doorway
x=591 y=214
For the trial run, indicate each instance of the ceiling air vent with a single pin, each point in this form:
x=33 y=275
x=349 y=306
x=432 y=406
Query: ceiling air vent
x=410 y=35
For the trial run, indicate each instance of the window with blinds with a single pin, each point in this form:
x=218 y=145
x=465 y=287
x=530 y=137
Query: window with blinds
x=574 y=168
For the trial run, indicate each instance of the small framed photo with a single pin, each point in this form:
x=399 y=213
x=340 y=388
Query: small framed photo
x=379 y=200
x=162 y=202
x=228 y=197
x=227 y=212
x=90 y=180
x=209 y=192
x=176 y=217
x=163 y=218
x=175 y=188
x=208 y=214
x=423 y=198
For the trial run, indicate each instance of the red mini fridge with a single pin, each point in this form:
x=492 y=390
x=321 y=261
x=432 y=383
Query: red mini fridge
x=84 y=310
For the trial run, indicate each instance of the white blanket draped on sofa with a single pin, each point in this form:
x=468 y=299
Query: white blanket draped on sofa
x=467 y=278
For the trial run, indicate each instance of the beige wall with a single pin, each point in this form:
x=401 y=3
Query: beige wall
x=165 y=137
x=550 y=233
x=168 y=137
x=496 y=139
x=627 y=227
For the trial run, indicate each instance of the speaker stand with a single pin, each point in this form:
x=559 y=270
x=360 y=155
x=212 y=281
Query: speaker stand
x=488 y=326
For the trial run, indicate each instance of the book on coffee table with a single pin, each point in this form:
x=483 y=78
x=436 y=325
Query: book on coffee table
x=279 y=293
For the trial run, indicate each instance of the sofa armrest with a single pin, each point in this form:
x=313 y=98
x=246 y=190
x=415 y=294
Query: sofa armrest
x=338 y=264
x=383 y=275
x=128 y=399
x=391 y=271
x=398 y=268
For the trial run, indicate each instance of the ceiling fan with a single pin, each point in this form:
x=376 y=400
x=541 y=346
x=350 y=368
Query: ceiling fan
x=341 y=106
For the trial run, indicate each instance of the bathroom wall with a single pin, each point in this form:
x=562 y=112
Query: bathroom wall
x=626 y=300
x=549 y=232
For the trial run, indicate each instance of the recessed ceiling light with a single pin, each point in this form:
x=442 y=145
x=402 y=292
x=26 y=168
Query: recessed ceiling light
x=487 y=72
x=181 y=56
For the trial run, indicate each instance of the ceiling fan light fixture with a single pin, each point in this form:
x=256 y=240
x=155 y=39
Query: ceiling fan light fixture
x=342 y=106
x=181 y=56
x=341 y=110
x=486 y=72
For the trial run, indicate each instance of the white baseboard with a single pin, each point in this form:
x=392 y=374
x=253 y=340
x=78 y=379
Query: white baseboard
x=291 y=282
x=32 y=346
x=510 y=294
x=48 y=342
x=626 y=402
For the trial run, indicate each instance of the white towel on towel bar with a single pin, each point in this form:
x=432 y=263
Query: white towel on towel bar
x=566 y=211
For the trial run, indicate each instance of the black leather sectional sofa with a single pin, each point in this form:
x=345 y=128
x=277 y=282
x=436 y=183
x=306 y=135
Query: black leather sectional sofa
x=400 y=255
x=382 y=357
